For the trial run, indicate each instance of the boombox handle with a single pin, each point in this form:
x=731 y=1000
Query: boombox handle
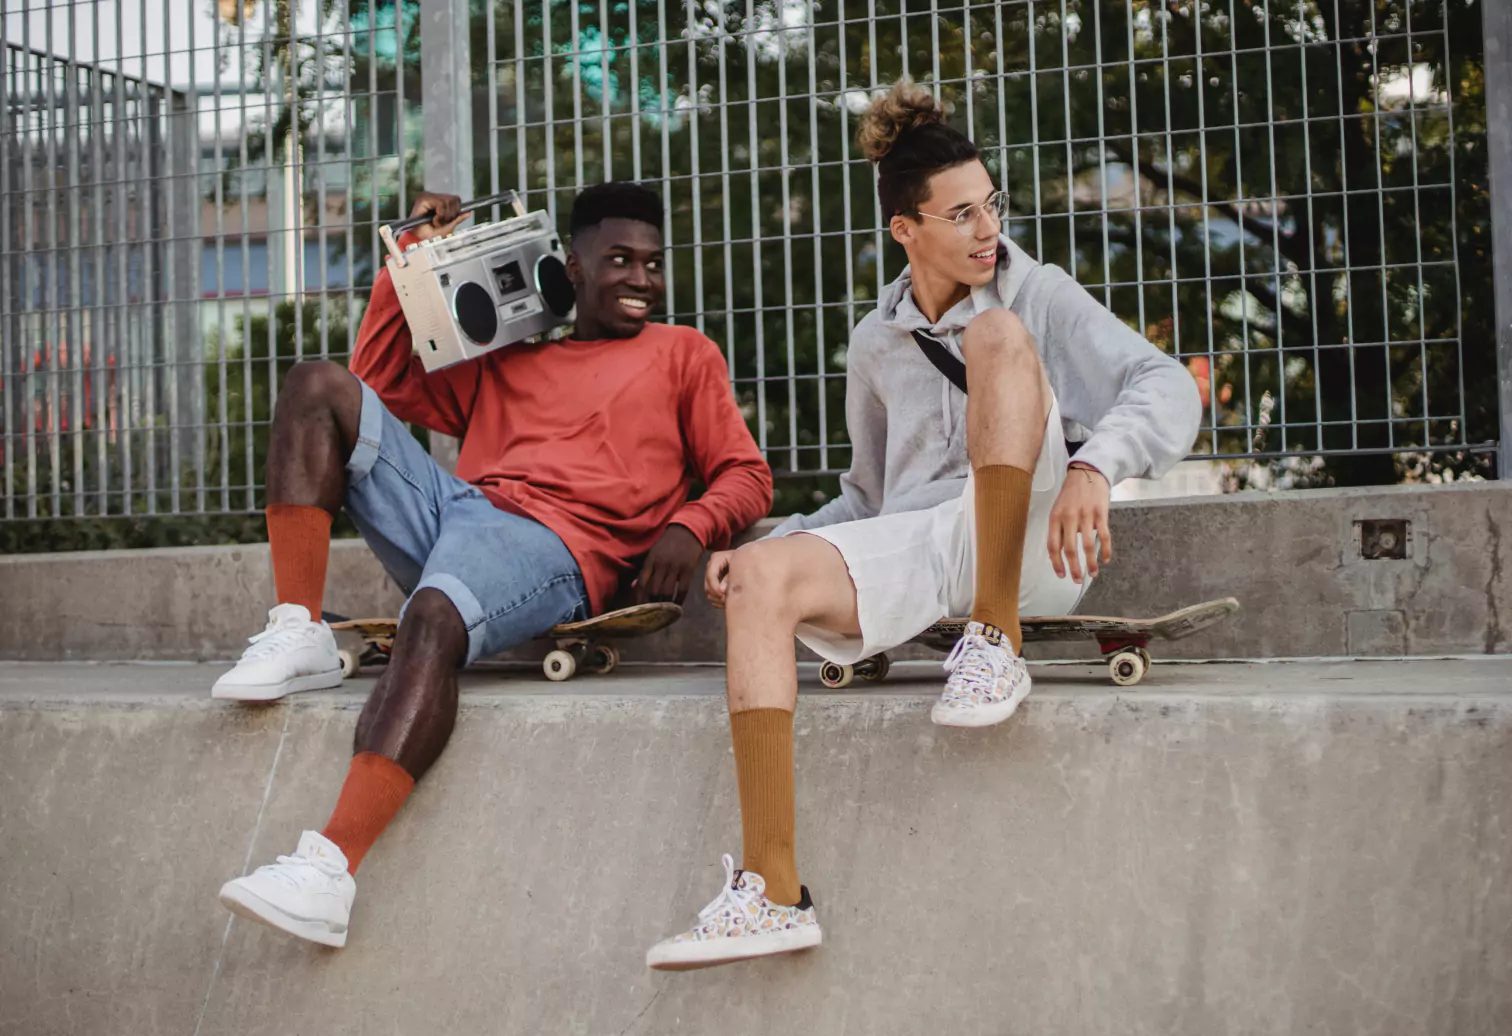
x=390 y=232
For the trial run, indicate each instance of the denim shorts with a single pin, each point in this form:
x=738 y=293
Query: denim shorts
x=509 y=577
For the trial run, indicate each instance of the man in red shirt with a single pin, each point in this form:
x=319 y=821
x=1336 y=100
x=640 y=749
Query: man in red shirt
x=573 y=480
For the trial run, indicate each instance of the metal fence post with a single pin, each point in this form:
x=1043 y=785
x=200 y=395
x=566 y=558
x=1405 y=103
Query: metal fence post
x=446 y=107
x=1497 y=23
x=186 y=245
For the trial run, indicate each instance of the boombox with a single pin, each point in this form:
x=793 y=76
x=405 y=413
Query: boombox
x=482 y=288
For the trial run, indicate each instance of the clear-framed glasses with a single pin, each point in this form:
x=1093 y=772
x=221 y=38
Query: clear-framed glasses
x=965 y=221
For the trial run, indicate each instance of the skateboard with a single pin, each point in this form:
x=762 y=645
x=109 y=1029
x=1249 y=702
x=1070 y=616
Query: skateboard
x=1124 y=642
x=578 y=644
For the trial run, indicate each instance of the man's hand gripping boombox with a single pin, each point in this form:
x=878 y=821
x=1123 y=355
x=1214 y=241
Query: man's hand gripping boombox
x=491 y=285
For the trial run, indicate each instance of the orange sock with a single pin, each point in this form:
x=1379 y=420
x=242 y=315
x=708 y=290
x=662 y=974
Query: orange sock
x=375 y=788
x=301 y=540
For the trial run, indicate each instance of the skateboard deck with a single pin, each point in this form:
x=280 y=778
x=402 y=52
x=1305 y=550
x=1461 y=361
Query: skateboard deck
x=578 y=644
x=1124 y=641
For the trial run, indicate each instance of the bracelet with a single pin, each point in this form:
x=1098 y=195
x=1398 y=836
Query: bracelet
x=1089 y=469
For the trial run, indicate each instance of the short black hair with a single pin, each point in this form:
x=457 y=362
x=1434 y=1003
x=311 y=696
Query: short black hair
x=617 y=199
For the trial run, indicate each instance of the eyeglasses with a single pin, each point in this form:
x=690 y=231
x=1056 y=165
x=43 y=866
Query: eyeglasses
x=965 y=221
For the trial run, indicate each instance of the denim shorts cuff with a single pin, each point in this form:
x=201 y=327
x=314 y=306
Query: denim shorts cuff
x=466 y=603
x=369 y=436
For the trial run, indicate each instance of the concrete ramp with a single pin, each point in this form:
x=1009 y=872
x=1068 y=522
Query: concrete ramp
x=1227 y=849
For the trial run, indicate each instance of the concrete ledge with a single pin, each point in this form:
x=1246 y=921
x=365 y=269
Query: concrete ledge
x=1292 y=559
x=173 y=603
x=1246 y=849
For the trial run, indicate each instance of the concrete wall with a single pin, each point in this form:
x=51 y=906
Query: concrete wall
x=1246 y=849
x=169 y=603
x=1292 y=559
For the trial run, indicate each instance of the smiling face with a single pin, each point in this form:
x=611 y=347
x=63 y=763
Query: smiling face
x=935 y=246
x=616 y=267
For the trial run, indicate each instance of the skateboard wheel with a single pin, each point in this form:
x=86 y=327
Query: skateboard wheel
x=874 y=669
x=1144 y=656
x=606 y=659
x=350 y=663
x=836 y=676
x=1127 y=668
x=559 y=665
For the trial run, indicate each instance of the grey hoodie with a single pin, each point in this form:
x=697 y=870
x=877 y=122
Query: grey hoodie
x=1135 y=410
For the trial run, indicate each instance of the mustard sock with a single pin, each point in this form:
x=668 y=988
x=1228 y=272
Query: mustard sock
x=1002 y=517
x=764 y=770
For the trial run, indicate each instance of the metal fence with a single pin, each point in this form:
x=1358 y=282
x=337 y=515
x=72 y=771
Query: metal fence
x=1291 y=199
x=94 y=357
x=189 y=201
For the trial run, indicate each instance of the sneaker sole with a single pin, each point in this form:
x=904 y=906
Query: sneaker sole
x=981 y=715
x=693 y=955
x=274 y=691
x=254 y=908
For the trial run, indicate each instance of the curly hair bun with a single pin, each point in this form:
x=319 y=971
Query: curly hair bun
x=905 y=107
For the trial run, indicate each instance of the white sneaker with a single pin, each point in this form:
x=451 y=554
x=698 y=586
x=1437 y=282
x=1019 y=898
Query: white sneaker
x=986 y=683
x=292 y=654
x=308 y=894
x=741 y=923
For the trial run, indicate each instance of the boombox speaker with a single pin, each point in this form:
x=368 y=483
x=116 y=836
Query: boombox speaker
x=483 y=288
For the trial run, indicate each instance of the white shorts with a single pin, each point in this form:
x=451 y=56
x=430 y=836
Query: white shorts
x=914 y=568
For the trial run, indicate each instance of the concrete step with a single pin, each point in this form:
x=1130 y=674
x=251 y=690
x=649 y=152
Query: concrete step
x=1226 y=849
x=1297 y=561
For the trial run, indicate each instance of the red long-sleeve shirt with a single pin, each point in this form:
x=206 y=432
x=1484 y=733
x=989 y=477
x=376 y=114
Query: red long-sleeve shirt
x=598 y=441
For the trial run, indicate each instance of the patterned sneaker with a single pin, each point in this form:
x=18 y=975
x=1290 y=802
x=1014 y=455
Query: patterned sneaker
x=987 y=680
x=738 y=925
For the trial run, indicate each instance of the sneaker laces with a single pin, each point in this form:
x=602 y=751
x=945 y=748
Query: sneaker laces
x=729 y=896
x=979 y=660
x=278 y=637
x=298 y=872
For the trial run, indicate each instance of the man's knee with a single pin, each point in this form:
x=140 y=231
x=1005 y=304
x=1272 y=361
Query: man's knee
x=764 y=580
x=998 y=336
x=314 y=385
x=432 y=622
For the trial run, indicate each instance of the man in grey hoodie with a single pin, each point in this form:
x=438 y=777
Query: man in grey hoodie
x=954 y=501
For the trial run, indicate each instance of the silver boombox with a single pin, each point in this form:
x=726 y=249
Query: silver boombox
x=488 y=286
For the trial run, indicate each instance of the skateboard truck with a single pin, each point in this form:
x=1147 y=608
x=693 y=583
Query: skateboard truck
x=873 y=670
x=1128 y=658
x=572 y=655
